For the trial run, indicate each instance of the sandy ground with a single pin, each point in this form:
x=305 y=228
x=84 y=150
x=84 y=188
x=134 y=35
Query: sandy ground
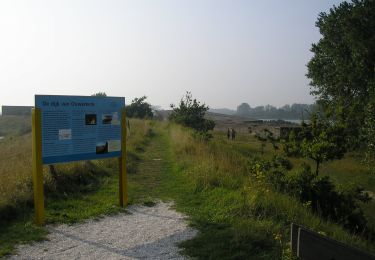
x=145 y=233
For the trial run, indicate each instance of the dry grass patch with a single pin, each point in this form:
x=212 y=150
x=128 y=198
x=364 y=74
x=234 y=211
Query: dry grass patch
x=15 y=169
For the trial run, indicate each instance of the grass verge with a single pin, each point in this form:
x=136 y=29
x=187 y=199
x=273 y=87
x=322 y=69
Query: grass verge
x=237 y=216
x=77 y=191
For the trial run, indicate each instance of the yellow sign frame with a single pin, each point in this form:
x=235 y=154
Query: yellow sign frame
x=37 y=166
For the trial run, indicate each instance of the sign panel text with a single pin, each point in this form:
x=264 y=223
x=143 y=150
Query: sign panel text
x=79 y=128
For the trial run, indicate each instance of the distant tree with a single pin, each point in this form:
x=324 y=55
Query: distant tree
x=190 y=113
x=99 y=94
x=259 y=109
x=342 y=69
x=139 y=108
x=243 y=109
x=294 y=111
x=286 y=108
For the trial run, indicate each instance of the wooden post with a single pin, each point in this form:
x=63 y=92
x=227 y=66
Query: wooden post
x=37 y=166
x=123 y=183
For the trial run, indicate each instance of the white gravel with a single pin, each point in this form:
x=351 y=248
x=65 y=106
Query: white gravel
x=145 y=233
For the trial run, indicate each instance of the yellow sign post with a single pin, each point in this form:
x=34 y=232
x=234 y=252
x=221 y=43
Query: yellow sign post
x=37 y=166
x=123 y=182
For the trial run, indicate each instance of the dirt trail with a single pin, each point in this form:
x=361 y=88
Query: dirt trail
x=145 y=233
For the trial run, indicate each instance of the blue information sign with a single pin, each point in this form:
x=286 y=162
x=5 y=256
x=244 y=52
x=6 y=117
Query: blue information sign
x=79 y=128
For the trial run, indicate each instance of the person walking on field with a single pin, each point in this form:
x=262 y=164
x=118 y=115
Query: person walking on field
x=233 y=134
x=228 y=133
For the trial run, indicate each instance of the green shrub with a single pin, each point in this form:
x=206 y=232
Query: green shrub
x=190 y=113
x=341 y=206
x=281 y=161
x=318 y=193
x=298 y=183
x=139 y=108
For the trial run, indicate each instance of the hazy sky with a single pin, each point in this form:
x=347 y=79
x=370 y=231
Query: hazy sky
x=224 y=52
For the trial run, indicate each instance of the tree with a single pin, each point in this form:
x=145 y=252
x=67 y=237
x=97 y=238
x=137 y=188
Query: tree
x=190 y=113
x=139 y=108
x=343 y=66
x=99 y=94
x=267 y=135
x=272 y=139
x=263 y=141
x=369 y=131
x=321 y=140
x=243 y=109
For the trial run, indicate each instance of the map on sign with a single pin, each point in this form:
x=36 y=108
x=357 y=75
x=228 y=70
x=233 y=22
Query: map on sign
x=79 y=128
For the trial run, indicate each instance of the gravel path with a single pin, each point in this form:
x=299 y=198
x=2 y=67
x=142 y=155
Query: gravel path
x=145 y=233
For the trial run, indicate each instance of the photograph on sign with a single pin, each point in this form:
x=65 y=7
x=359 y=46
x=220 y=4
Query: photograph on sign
x=90 y=119
x=65 y=134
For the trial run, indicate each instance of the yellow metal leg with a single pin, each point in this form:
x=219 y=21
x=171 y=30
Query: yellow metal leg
x=123 y=183
x=37 y=166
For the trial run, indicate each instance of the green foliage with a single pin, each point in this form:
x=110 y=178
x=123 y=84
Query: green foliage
x=298 y=182
x=368 y=131
x=190 y=113
x=294 y=111
x=249 y=220
x=75 y=192
x=239 y=216
x=99 y=94
x=320 y=141
x=23 y=231
x=272 y=139
x=326 y=142
x=139 y=108
x=83 y=177
x=292 y=145
x=267 y=135
x=318 y=193
x=342 y=68
x=281 y=161
x=243 y=109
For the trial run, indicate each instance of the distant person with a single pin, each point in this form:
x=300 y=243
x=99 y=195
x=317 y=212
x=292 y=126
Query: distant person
x=233 y=134
x=228 y=133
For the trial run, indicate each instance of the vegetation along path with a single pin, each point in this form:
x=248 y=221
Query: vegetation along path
x=150 y=231
x=223 y=186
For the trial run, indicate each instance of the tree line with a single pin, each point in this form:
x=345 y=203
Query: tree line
x=294 y=111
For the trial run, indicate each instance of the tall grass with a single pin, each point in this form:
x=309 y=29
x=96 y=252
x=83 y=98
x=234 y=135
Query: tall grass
x=250 y=209
x=15 y=125
x=237 y=213
x=349 y=170
x=16 y=171
x=73 y=192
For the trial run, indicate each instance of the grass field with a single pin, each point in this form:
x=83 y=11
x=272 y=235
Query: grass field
x=14 y=125
x=348 y=171
x=79 y=191
x=237 y=216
